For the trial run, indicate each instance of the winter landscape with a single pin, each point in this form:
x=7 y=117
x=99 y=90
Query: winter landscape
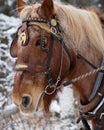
x=64 y=115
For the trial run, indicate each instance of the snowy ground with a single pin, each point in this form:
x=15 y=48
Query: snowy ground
x=63 y=111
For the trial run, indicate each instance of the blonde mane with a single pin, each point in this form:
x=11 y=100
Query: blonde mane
x=82 y=25
x=79 y=25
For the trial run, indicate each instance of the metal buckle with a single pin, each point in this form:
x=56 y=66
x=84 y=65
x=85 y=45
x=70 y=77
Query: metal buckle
x=50 y=87
x=102 y=114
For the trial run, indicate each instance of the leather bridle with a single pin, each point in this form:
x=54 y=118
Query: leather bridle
x=56 y=33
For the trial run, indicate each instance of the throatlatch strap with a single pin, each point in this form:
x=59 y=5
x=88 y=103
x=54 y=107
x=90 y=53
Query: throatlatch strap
x=88 y=62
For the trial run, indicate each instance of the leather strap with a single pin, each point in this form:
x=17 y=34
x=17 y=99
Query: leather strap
x=100 y=124
x=97 y=84
x=88 y=62
x=70 y=53
x=84 y=121
x=48 y=72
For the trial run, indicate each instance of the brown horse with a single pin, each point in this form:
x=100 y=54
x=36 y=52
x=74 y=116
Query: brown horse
x=54 y=43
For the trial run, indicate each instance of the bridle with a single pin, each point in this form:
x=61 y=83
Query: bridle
x=56 y=34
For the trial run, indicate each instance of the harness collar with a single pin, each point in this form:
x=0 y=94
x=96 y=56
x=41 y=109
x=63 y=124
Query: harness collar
x=96 y=97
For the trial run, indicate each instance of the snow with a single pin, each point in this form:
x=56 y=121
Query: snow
x=9 y=21
x=8 y=26
x=67 y=100
x=62 y=108
x=2 y=101
x=10 y=2
x=55 y=107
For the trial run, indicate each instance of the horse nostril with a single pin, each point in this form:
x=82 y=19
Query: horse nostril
x=26 y=101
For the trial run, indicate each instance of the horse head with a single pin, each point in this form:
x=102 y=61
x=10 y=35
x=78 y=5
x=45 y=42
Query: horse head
x=41 y=61
x=49 y=46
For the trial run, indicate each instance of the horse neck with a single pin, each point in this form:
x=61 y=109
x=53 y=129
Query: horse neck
x=84 y=87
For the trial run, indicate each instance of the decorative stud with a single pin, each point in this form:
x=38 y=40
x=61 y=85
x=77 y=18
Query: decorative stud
x=53 y=22
x=22 y=38
x=42 y=20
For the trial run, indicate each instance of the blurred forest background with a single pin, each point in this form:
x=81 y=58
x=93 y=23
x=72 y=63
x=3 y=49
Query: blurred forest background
x=8 y=6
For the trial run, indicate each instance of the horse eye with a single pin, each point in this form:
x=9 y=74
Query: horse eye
x=38 y=42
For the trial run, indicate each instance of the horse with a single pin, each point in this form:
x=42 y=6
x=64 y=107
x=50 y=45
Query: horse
x=58 y=45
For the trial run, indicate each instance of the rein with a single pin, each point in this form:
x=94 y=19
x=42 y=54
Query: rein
x=83 y=76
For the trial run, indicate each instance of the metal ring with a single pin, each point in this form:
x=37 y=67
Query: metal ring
x=49 y=93
x=53 y=30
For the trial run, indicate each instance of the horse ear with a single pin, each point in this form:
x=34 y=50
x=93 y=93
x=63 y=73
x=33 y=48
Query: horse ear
x=47 y=8
x=14 y=48
x=20 y=5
